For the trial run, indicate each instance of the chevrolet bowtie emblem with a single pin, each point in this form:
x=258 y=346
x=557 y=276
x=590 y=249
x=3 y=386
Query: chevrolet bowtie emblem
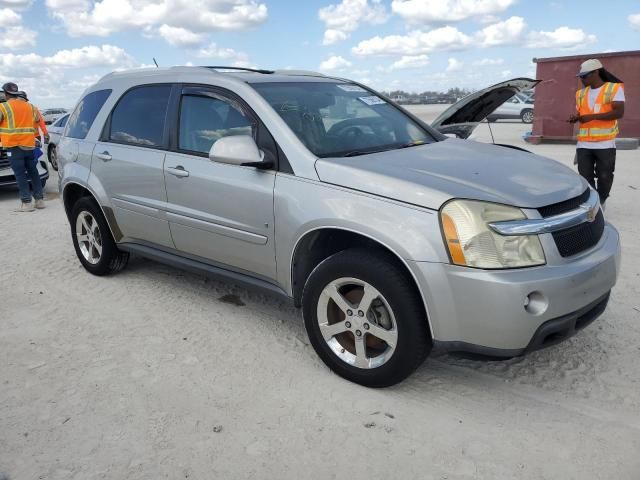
x=591 y=214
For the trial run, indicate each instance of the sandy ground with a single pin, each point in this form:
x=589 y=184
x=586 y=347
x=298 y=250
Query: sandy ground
x=156 y=373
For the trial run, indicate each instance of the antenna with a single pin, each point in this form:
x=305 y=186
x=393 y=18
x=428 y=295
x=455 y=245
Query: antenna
x=154 y=61
x=491 y=132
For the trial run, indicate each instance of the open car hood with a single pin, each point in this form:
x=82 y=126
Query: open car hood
x=463 y=117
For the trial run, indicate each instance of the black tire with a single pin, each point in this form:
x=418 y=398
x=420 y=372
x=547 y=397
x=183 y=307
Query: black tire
x=111 y=259
x=52 y=155
x=383 y=273
x=526 y=115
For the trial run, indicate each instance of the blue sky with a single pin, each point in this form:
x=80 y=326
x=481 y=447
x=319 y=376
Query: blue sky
x=54 y=49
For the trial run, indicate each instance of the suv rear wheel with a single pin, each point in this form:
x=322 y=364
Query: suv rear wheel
x=365 y=319
x=92 y=239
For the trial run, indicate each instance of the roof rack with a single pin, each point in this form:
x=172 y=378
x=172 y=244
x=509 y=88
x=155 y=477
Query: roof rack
x=242 y=69
x=307 y=73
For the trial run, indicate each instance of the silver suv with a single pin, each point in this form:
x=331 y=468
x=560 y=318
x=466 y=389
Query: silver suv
x=395 y=239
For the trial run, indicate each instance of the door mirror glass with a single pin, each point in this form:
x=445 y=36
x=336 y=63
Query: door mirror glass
x=238 y=150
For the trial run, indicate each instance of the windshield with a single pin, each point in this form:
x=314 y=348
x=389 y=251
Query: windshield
x=342 y=119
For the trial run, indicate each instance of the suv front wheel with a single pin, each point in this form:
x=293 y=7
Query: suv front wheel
x=365 y=319
x=92 y=239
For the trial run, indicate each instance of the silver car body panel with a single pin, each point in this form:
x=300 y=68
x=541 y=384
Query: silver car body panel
x=248 y=221
x=429 y=175
x=207 y=222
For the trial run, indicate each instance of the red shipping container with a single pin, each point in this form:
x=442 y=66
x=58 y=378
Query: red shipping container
x=555 y=94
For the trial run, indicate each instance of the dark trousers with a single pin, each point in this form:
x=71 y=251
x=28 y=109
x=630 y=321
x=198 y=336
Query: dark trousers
x=598 y=164
x=24 y=168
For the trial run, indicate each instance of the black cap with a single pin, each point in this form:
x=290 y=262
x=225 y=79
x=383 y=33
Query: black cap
x=22 y=94
x=10 y=88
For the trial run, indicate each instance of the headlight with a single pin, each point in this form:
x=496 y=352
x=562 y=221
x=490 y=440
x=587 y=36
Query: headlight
x=472 y=243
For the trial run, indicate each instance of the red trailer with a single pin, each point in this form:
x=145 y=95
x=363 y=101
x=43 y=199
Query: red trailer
x=555 y=94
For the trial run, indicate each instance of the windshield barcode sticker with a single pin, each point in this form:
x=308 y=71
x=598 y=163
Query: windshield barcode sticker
x=372 y=100
x=351 y=88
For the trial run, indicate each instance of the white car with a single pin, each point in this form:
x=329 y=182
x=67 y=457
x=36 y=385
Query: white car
x=519 y=106
x=55 y=133
x=52 y=114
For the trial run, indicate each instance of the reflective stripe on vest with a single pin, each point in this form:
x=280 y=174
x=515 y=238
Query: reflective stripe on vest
x=597 y=130
x=17 y=124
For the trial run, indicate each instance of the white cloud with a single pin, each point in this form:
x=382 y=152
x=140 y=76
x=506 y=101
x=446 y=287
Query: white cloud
x=342 y=19
x=86 y=17
x=488 y=61
x=454 y=65
x=16 y=38
x=9 y=16
x=562 y=37
x=634 y=21
x=334 y=36
x=509 y=32
x=505 y=73
x=15 y=4
x=415 y=43
x=34 y=65
x=443 y=11
x=180 y=37
x=410 y=61
x=67 y=72
x=13 y=35
x=239 y=59
x=335 y=63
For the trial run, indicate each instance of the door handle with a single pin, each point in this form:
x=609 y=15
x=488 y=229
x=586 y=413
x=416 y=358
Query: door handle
x=104 y=156
x=178 y=171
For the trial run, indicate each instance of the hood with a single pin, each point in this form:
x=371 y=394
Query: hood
x=429 y=175
x=463 y=117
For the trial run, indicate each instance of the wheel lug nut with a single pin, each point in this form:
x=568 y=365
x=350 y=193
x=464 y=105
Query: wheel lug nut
x=358 y=333
x=349 y=312
x=360 y=313
x=366 y=326
x=347 y=324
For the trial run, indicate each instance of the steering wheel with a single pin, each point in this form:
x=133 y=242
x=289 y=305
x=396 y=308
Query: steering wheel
x=356 y=127
x=350 y=132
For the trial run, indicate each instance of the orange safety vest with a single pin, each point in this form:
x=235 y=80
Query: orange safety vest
x=17 y=124
x=597 y=130
x=40 y=125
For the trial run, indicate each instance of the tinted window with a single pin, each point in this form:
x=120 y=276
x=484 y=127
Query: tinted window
x=140 y=115
x=338 y=119
x=85 y=113
x=203 y=120
x=62 y=122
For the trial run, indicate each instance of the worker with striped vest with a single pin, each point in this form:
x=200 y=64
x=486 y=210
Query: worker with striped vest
x=599 y=105
x=17 y=137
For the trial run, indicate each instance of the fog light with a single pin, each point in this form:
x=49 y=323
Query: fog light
x=536 y=303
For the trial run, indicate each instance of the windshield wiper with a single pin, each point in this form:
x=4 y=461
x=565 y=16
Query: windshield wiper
x=395 y=146
x=412 y=144
x=356 y=153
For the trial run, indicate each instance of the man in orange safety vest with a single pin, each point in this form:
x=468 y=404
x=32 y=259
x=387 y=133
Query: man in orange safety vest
x=599 y=106
x=17 y=136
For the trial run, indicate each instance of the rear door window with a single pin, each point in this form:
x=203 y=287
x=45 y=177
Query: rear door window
x=85 y=113
x=139 y=117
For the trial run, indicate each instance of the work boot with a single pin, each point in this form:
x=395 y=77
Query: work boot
x=40 y=203
x=25 y=207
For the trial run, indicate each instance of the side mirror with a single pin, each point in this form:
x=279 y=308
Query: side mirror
x=238 y=150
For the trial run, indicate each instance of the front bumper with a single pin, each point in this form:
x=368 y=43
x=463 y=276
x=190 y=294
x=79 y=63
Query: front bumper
x=486 y=312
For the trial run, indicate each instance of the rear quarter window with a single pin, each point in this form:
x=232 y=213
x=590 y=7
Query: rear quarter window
x=85 y=113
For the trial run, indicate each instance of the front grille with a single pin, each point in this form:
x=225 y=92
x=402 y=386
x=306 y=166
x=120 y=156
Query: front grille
x=564 y=207
x=579 y=238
